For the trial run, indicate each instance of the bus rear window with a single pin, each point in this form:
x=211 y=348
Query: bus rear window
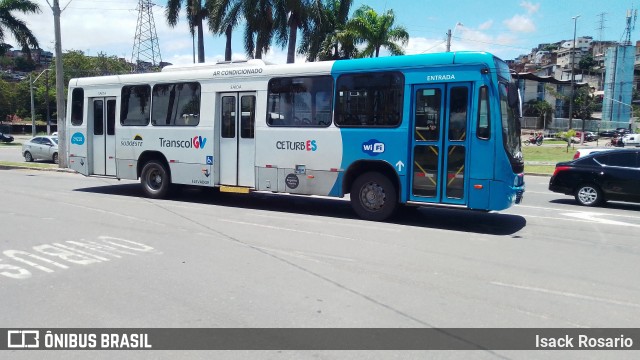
x=77 y=106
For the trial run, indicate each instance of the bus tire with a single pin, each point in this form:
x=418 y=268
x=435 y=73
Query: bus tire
x=373 y=196
x=155 y=180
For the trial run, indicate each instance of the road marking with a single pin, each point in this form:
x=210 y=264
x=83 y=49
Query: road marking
x=588 y=212
x=68 y=254
x=592 y=217
x=114 y=214
x=285 y=229
x=305 y=255
x=368 y=227
x=566 y=294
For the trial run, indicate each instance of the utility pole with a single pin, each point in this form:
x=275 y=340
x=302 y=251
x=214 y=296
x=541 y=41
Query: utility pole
x=46 y=97
x=60 y=110
x=573 y=57
x=449 y=40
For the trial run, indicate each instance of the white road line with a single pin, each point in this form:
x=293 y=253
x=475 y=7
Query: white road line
x=586 y=212
x=368 y=227
x=592 y=217
x=566 y=294
x=114 y=214
x=285 y=229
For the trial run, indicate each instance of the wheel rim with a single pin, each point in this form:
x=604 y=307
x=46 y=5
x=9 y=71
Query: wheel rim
x=28 y=157
x=587 y=195
x=154 y=180
x=372 y=196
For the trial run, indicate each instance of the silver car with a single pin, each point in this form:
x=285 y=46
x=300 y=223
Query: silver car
x=41 y=147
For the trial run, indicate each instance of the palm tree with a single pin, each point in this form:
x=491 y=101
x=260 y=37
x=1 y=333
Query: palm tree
x=377 y=31
x=17 y=27
x=325 y=37
x=290 y=16
x=224 y=16
x=259 y=26
x=196 y=13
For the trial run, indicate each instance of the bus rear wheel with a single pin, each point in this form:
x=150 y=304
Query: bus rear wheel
x=155 y=180
x=373 y=197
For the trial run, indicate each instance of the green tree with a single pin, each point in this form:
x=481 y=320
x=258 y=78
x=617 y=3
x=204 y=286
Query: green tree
x=4 y=48
x=197 y=12
x=17 y=27
x=224 y=16
x=259 y=27
x=543 y=110
x=290 y=16
x=377 y=31
x=583 y=103
x=24 y=64
x=587 y=63
x=326 y=37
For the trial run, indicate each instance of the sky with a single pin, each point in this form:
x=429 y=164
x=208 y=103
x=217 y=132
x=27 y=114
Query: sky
x=506 y=28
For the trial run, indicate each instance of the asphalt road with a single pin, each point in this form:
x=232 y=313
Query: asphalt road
x=202 y=259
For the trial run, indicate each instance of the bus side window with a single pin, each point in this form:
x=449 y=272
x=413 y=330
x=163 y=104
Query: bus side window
x=483 y=129
x=372 y=99
x=176 y=104
x=136 y=102
x=300 y=101
x=77 y=106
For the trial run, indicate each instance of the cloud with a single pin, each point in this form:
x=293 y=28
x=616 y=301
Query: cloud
x=485 y=25
x=520 y=23
x=531 y=8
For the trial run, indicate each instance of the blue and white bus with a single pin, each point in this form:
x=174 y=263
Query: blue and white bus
x=432 y=129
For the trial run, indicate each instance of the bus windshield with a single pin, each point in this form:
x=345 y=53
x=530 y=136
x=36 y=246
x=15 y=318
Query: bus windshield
x=510 y=109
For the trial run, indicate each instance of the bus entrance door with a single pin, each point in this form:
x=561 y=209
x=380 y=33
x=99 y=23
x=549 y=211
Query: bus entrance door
x=440 y=122
x=236 y=160
x=102 y=116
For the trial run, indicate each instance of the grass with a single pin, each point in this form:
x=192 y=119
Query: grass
x=10 y=144
x=539 y=169
x=29 y=165
x=547 y=153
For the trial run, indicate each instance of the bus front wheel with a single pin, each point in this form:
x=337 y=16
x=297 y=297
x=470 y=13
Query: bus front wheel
x=373 y=197
x=155 y=180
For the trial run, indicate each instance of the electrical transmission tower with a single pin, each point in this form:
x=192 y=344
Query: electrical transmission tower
x=632 y=15
x=146 y=51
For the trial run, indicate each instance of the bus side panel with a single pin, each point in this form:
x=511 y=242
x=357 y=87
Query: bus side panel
x=78 y=141
x=386 y=145
x=307 y=159
x=483 y=159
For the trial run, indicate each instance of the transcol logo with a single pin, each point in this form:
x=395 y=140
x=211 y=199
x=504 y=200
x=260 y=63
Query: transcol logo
x=77 y=139
x=197 y=142
x=373 y=147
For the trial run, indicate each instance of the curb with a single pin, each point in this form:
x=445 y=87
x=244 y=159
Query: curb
x=13 y=167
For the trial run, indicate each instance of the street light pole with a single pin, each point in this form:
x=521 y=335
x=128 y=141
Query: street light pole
x=33 y=108
x=573 y=51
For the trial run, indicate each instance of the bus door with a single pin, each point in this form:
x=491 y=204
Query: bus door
x=236 y=160
x=102 y=116
x=440 y=122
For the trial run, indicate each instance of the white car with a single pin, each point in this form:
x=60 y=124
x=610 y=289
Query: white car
x=41 y=147
x=631 y=140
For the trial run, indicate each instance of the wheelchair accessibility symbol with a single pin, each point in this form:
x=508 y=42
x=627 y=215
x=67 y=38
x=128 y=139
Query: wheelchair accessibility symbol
x=209 y=160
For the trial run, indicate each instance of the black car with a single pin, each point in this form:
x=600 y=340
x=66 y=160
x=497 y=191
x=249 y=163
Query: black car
x=6 y=138
x=614 y=133
x=601 y=176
